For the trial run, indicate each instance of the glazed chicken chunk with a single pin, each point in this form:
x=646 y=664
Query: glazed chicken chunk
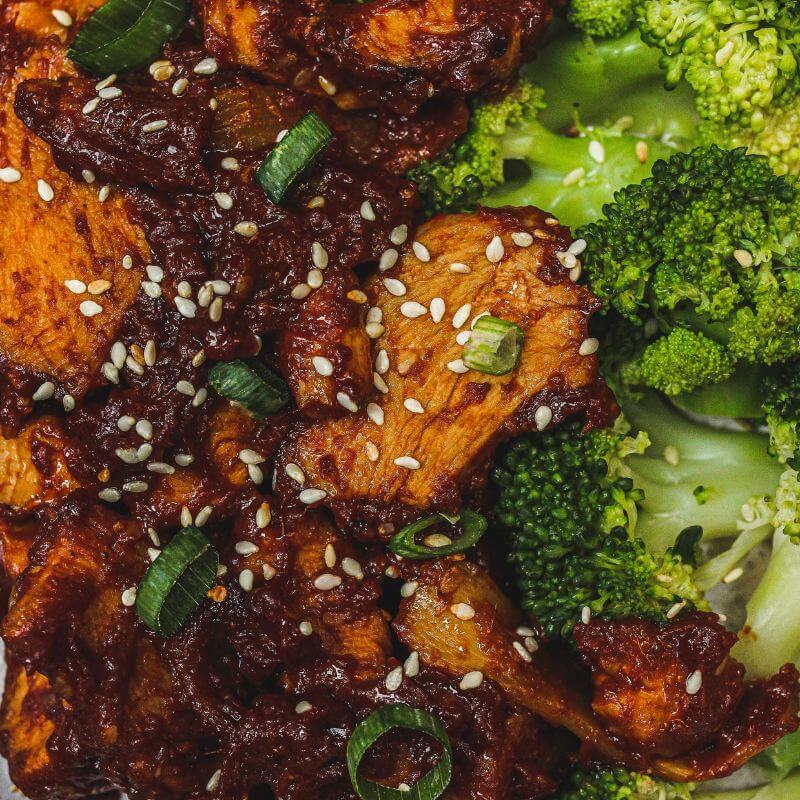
x=430 y=426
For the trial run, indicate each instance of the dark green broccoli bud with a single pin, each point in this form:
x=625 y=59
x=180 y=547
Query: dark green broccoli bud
x=569 y=510
x=603 y=18
x=620 y=784
x=781 y=404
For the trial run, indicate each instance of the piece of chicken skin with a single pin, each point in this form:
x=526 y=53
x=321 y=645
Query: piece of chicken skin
x=444 y=451
x=43 y=333
x=377 y=53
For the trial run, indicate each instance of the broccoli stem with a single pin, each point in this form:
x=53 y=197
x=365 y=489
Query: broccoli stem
x=787 y=789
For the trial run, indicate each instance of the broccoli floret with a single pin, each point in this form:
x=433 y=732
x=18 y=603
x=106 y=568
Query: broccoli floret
x=620 y=784
x=710 y=242
x=569 y=508
x=781 y=403
x=603 y=18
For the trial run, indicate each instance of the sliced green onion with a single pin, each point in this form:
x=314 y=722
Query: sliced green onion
x=293 y=156
x=125 y=34
x=176 y=582
x=404 y=544
x=251 y=385
x=494 y=346
x=430 y=786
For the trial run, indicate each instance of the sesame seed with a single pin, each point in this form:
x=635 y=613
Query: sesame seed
x=367 y=211
x=154 y=272
x=104 y=192
x=186 y=307
x=185 y=387
x=523 y=653
x=155 y=125
x=184 y=459
x=408 y=462
x=319 y=255
x=134 y=366
x=523 y=630
x=150 y=353
x=186 y=517
x=129 y=597
x=44 y=392
x=571 y=178
x=282 y=135
x=413 y=405
x=346 y=401
x=256 y=474
x=329 y=87
x=91 y=106
x=330 y=555
x=459 y=268
x=68 y=403
x=109 y=495
x=462 y=315
x=357 y=296
x=75 y=286
x=724 y=53
x=229 y=163
x=125 y=423
x=577 y=247
x=316 y=202
x=399 y=235
x=89 y=177
x=462 y=337
x=98 y=287
x=420 y=251
x=462 y=611
x=245 y=548
x=458 y=366
x=151 y=289
x=522 y=239
x=301 y=291
x=588 y=346
x=671 y=455
x=110 y=372
x=208 y=66
x=323 y=366
x=495 y=250
x=374 y=314
x=134 y=487
x=597 y=151
x=180 y=86
x=327 y=581
x=302 y=707
x=744 y=258
x=246 y=579
x=394 y=679
x=379 y=383
x=305 y=628
x=145 y=429
x=223 y=200
x=315 y=278
x=388 y=259
x=263 y=516
x=391 y=571
x=90 y=309
x=215 y=310
x=62 y=17
x=247 y=228
x=411 y=664
x=382 y=362
x=45 y=190
x=352 y=568
x=411 y=309
x=586 y=615
x=309 y=496
x=269 y=572
x=408 y=589
x=676 y=609
x=213 y=781
x=472 y=680
x=375 y=413
x=733 y=575
x=642 y=152
x=531 y=645
x=694 y=682
x=161 y=468
x=295 y=473
x=10 y=175
x=542 y=417
x=373 y=454
x=394 y=287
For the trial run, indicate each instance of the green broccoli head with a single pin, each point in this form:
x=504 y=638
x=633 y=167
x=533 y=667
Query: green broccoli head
x=603 y=18
x=569 y=509
x=709 y=246
x=620 y=784
x=781 y=404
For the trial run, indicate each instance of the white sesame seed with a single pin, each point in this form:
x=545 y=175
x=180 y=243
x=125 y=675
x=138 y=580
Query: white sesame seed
x=472 y=680
x=208 y=66
x=295 y=473
x=309 y=496
x=724 y=53
x=104 y=192
x=133 y=365
x=379 y=383
x=62 y=17
x=229 y=163
x=330 y=556
x=161 y=468
x=382 y=362
x=185 y=387
x=129 y=597
x=586 y=615
x=573 y=177
x=458 y=366
x=245 y=548
x=345 y=401
x=268 y=571
x=110 y=372
x=145 y=429
x=246 y=228
x=577 y=247
x=305 y=628
x=89 y=177
x=371 y=449
x=223 y=200
x=388 y=259
x=186 y=307
x=411 y=664
x=184 y=459
x=374 y=314
x=399 y=235
x=394 y=679
x=75 y=286
x=263 y=516
x=437 y=540
x=256 y=474
x=462 y=337
x=134 y=487
x=408 y=589
x=744 y=258
x=213 y=781
x=154 y=272
x=495 y=250
x=323 y=366
x=459 y=268
x=44 y=392
x=180 y=86
x=91 y=106
x=301 y=291
x=394 y=286
x=412 y=310
x=10 y=175
x=68 y=403
x=302 y=707
x=408 y=462
x=375 y=413
x=45 y=190
x=391 y=571
x=118 y=354
x=420 y=251
x=151 y=289
x=352 y=568
x=733 y=575
x=367 y=211
x=109 y=495
x=215 y=310
x=155 y=125
x=413 y=405
x=462 y=611
x=588 y=346
x=327 y=581
x=694 y=682
x=522 y=239
x=523 y=630
x=523 y=653
x=186 y=517
x=462 y=315
x=319 y=255
x=315 y=278
x=150 y=353
x=671 y=455
x=531 y=645
x=329 y=87
x=597 y=151
x=542 y=417
x=125 y=423
x=246 y=579
x=90 y=309
x=144 y=451
x=374 y=330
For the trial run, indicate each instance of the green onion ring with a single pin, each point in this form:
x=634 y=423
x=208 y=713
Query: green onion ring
x=250 y=384
x=494 y=346
x=404 y=544
x=398 y=715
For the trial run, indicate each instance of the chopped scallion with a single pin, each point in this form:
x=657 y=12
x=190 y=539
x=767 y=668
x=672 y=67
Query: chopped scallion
x=367 y=732
x=473 y=526
x=251 y=385
x=293 y=156
x=494 y=346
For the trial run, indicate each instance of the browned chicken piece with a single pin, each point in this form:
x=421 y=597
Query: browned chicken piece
x=384 y=51
x=30 y=714
x=430 y=426
x=673 y=690
x=69 y=234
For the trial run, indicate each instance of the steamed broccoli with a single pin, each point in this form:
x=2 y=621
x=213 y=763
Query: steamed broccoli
x=710 y=244
x=603 y=18
x=619 y=784
x=781 y=405
x=569 y=509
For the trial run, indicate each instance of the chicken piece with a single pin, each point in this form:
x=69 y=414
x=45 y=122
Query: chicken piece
x=673 y=689
x=71 y=235
x=428 y=433
x=385 y=51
